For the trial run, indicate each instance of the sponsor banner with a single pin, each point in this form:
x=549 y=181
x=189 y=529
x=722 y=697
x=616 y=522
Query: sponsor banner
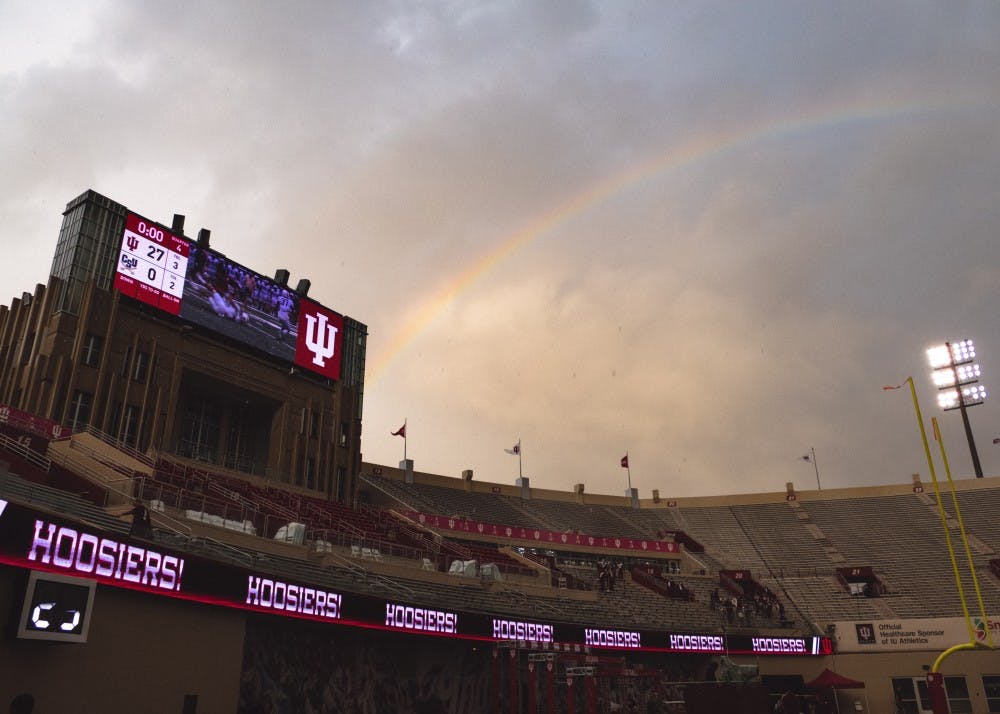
x=467 y=526
x=933 y=633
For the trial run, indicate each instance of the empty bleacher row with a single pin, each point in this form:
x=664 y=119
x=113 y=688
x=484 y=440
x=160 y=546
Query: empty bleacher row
x=794 y=548
x=500 y=509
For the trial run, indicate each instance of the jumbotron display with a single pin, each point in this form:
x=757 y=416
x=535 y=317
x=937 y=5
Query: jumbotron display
x=34 y=540
x=207 y=289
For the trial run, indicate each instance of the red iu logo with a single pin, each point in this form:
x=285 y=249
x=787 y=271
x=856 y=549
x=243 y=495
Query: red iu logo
x=320 y=337
x=133 y=243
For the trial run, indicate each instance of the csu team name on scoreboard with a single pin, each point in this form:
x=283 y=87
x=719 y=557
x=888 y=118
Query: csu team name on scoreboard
x=204 y=287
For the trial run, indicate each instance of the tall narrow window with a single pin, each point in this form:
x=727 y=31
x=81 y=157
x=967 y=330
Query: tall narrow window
x=310 y=472
x=79 y=409
x=130 y=425
x=141 y=369
x=90 y=355
x=340 y=485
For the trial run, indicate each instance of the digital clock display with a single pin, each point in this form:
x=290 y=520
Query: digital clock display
x=56 y=607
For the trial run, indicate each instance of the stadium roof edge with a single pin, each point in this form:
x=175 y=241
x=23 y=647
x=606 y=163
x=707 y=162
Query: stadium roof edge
x=831 y=494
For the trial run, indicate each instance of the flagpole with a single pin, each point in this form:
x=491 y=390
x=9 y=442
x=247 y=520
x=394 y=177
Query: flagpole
x=628 y=470
x=520 y=472
x=404 y=438
x=815 y=467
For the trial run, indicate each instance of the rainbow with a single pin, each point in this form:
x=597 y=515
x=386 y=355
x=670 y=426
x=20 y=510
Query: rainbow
x=696 y=149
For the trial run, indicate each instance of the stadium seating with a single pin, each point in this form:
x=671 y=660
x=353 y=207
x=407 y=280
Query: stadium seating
x=792 y=548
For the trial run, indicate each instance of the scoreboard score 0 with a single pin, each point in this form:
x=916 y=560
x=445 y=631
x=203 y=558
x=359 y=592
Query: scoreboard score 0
x=152 y=264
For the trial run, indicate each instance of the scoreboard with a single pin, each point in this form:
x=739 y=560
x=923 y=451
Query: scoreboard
x=205 y=288
x=152 y=265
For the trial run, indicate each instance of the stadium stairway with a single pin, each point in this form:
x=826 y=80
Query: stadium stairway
x=89 y=456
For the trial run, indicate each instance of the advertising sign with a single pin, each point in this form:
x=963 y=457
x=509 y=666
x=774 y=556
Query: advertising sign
x=932 y=633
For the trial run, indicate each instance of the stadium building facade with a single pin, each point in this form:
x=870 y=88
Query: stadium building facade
x=211 y=375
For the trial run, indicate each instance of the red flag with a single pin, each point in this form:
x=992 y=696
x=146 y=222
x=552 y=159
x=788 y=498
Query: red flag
x=997 y=440
x=401 y=431
x=625 y=461
x=896 y=387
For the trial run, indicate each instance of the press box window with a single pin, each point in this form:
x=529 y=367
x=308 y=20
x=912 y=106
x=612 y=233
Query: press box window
x=345 y=430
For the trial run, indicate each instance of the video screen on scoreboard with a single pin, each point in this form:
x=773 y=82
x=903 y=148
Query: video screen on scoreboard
x=207 y=289
x=230 y=300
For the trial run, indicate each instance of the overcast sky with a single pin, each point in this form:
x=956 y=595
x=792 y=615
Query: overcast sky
x=706 y=234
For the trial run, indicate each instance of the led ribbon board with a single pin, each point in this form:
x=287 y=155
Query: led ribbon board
x=30 y=539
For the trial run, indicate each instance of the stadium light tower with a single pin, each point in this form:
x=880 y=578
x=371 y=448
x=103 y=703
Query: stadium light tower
x=956 y=375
